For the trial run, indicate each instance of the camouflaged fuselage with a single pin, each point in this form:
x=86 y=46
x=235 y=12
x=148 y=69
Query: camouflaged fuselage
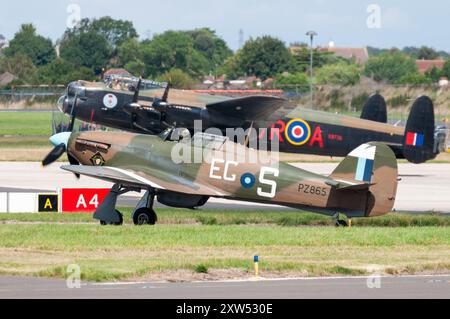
x=232 y=171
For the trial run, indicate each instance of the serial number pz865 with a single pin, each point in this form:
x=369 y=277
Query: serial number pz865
x=313 y=190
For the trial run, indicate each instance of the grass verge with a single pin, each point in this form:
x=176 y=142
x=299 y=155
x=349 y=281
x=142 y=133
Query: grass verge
x=183 y=248
x=252 y=218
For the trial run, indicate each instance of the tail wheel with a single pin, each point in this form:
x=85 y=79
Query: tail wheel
x=103 y=223
x=145 y=216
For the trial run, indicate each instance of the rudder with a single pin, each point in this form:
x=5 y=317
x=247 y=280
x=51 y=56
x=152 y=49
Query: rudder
x=374 y=166
x=375 y=109
x=419 y=133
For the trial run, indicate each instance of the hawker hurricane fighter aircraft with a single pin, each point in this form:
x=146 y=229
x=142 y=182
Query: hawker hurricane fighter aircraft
x=363 y=185
x=151 y=110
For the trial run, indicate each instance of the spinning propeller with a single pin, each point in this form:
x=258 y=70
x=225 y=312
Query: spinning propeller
x=60 y=140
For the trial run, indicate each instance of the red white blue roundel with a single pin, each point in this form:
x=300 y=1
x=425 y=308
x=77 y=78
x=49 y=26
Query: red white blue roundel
x=298 y=132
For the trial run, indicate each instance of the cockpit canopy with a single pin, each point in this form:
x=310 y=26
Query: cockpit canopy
x=116 y=82
x=200 y=139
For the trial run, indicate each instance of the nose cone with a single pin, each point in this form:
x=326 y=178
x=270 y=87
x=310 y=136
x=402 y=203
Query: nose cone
x=60 y=138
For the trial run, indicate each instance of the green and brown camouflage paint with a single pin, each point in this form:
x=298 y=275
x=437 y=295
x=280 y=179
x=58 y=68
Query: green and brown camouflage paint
x=222 y=174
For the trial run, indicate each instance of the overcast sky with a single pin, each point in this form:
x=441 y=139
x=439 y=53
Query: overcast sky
x=345 y=22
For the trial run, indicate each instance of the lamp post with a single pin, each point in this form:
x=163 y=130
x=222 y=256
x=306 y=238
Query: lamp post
x=311 y=35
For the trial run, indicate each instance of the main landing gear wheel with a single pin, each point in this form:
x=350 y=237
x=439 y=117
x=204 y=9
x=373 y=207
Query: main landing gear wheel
x=341 y=223
x=103 y=223
x=145 y=216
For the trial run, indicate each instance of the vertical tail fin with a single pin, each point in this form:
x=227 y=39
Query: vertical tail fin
x=419 y=134
x=375 y=109
x=371 y=168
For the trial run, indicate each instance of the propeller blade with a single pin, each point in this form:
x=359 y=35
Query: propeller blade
x=166 y=93
x=137 y=91
x=73 y=114
x=54 y=155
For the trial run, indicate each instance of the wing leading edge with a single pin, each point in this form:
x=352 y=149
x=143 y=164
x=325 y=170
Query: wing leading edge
x=129 y=178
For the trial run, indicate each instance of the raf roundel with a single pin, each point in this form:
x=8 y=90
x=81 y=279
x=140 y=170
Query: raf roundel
x=248 y=180
x=110 y=101
x=298 y=132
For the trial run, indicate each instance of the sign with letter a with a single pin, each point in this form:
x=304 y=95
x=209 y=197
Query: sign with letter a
x=48 y=203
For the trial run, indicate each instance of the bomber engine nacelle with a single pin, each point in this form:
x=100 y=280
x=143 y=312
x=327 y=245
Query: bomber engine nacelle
x=182 y=200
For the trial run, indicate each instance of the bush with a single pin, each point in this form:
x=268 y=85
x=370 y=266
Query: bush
x=390 y=67
x=291 y=82
x=399 y=100
x=335 y=100
x=359 y=101
x=201 y=269
x=339 y=74
x=415 y=79
x=177 y=78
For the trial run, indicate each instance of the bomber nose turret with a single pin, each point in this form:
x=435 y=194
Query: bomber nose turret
x=75 y=92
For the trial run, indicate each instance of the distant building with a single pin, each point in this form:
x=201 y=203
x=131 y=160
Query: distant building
x=6 y=78
x=427 y=65
x=443 y=81
x=360 y=55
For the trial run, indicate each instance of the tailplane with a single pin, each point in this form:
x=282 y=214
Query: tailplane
x=419 y=133
x=371 y=169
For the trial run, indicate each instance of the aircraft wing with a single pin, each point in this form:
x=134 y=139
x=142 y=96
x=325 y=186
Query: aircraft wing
x=129 y=178
x=248 y=108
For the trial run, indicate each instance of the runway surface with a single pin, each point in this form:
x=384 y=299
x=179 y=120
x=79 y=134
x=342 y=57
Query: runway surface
x=423 y=188
x=422 y=287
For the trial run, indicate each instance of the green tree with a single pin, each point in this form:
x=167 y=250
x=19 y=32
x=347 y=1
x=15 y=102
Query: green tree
x=302 y=58
x=214 y=49
x=264 y=57
x=414 y=79
x=434 y=74
x=339 y=74
x=114 y=31
x=422 y=53
x=293 y=82
x=137 y=68
x=28 y=42
x=90 y=50
x=177 y=79
x=129 y=51
x=231 y=67
x=62 y=72
x=20 y=65
x=390 y=67
x=446 y=69
x=173 y=50
x=376 y=51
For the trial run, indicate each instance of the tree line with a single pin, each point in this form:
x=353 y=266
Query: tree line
x=184 y=57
